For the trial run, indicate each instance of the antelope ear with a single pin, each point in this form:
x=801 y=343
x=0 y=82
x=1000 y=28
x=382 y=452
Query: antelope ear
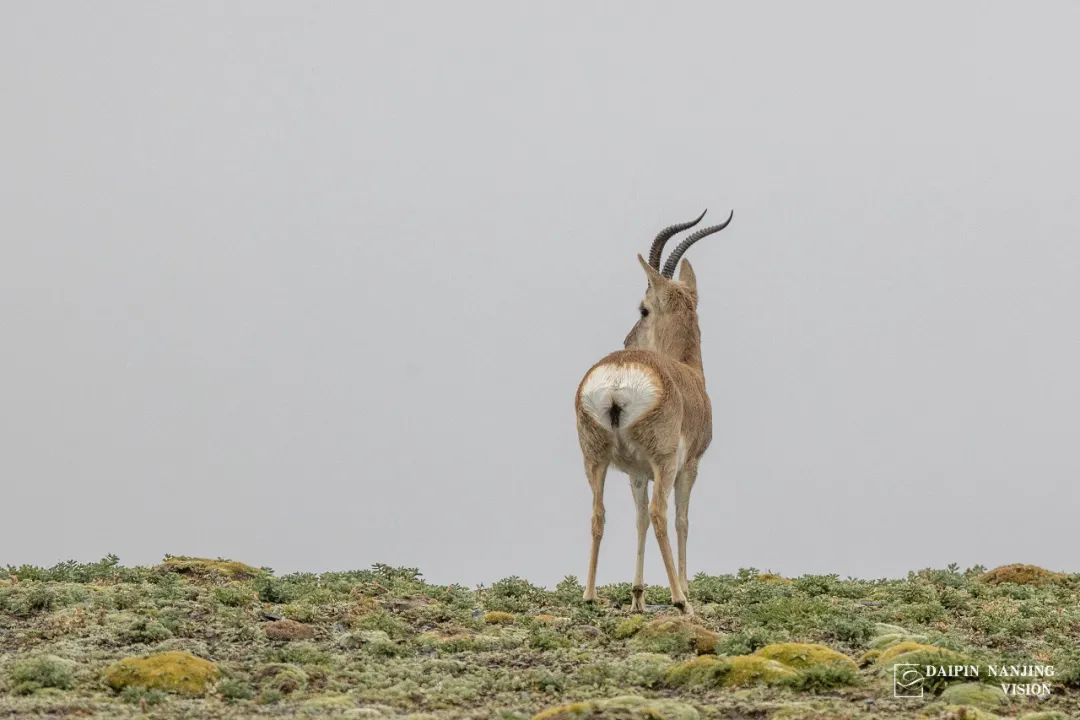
x=687 y=277
x=655 y=278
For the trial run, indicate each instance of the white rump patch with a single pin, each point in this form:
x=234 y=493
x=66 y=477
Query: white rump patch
x=632 y=387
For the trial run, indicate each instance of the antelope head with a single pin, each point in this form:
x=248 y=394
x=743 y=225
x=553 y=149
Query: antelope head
x=668 y=321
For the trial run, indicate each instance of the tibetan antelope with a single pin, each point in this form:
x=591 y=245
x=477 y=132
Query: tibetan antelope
x=644 y=410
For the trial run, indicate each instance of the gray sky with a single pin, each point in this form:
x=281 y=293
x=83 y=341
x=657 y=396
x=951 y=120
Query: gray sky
x=312 y=285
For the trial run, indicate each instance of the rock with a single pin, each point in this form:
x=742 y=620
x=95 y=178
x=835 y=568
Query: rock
x=175 y=672
x=588 y=631
x=676 y=633
x=206 y=568
x=772 y=578
x=627 y=707
x=1020 y=574
x=806 y=655
x=734 y=671
x=288 y=630
x=406 y=604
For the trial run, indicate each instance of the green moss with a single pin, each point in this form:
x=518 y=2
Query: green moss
x=627 y=707
x=910 y=653
x=175 y=672
x=736 y=671
x=962 y=712
x=642 y=669
x=806 y=655
x=498 y=617
x=207 y=568
x=885 y=657
x=880 y=642
x=986 y=697
x=755 y=670
x=700 y=671
x=1045 y=715
x=887 y=629
x=629 y=627
x=823 y=678
x=1020 y=574
x=44 y=671
x=869 y=657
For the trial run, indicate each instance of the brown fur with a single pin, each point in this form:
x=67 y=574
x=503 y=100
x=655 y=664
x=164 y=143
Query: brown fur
x=667 y=344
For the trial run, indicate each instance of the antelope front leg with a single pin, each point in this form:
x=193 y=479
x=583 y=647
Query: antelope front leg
x=639 y=484
x=663 y=479
x=596 y=472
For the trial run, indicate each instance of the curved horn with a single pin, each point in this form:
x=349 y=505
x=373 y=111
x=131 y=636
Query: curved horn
x=665 y=235
x=677 y=253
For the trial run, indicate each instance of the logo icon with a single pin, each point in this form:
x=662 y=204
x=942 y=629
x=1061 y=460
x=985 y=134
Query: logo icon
x=907 y=680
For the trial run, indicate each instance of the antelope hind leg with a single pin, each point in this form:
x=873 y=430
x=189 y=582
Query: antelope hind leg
x=663 y=479
x=639 y=485
x=596 y=472
x=684 y=483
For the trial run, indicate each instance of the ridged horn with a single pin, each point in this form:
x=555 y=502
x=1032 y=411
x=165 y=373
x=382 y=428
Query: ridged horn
x=677 y=253
x=658 y=244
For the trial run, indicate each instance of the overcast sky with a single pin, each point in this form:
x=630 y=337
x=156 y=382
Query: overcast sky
x=311 y=285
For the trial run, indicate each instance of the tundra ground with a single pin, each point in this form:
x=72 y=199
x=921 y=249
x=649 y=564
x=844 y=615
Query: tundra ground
x=197 y=638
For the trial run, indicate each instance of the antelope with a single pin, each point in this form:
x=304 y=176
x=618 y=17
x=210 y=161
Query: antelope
x=644 y=410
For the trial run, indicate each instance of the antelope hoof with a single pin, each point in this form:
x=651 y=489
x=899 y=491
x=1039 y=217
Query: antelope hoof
x=638 y=603
x=589 y=597
x=684 y=607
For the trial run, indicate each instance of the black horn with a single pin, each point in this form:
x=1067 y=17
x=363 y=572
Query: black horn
x=677 y=253
x=658 y=244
